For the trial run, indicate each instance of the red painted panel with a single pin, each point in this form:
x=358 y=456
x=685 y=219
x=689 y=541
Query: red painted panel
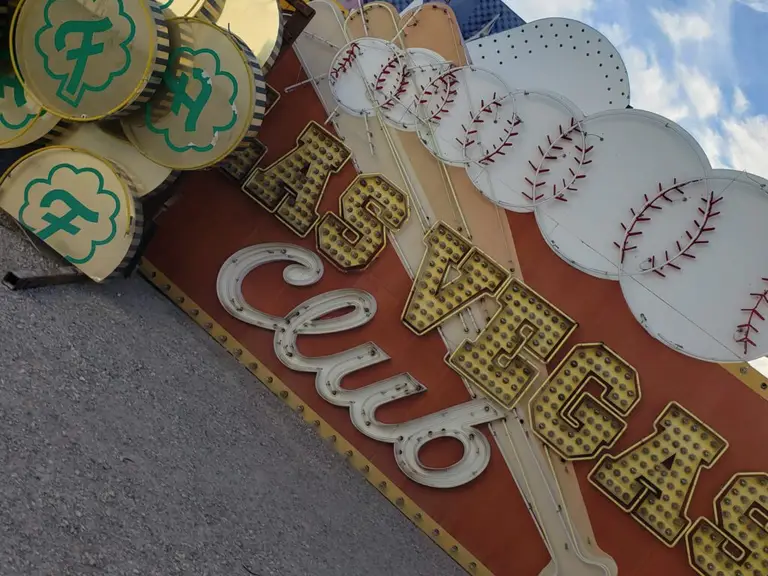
x=213 y=219
x=705 y=389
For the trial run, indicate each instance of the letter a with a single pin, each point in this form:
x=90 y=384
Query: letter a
x=654 y=480
x=292 y=187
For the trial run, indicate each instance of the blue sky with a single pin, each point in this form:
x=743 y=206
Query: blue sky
x=701 y=63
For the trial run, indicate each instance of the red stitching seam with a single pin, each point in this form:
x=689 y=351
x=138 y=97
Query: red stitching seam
x=748 y=327
x=346 y=62
x=547 y=155
x=477 y=119
x=402 y=85
x=448 y=80
x=691 y=238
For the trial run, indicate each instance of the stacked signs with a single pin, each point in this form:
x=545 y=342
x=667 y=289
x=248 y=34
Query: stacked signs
x=123 y=95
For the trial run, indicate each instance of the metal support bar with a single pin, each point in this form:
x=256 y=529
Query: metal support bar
x=27 y=280
x=295 y=24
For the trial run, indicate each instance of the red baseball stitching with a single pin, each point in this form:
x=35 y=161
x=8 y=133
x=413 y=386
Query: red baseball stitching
x=476 y=120
x=402 y=86
x=547 y=155
x=747 y=328
x=349 y=56
x=691 y=239
x=449 y=81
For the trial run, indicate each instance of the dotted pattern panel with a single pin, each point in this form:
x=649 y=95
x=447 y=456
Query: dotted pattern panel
x=239 y=164
x=292 y=187
x=368 y=208
x=738 y=542
x=561 y=55
x=572 y=421
x=654 y=480
x=524 y=326
x=453 y=273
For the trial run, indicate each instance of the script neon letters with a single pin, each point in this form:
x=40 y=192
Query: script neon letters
x=358 y=308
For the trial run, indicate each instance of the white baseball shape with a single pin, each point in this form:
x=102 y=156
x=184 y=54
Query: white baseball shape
x=456 y=103
x=545 y=155
x=714 y=308
x=644 y=172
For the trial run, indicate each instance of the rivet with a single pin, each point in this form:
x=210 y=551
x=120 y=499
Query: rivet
x=284 y=394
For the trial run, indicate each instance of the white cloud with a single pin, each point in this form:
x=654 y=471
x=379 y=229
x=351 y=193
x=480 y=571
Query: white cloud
x=680 y=27
x=534 y=9
x=740 y=102
x=746 y=143
x=703 y=92
x=714 y=145
x=617 y=35
x=652 y=89
x=759 y=5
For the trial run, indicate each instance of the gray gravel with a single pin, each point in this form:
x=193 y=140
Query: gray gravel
x=130 y=443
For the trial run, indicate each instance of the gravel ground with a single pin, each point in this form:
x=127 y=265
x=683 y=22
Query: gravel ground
x=130 y=443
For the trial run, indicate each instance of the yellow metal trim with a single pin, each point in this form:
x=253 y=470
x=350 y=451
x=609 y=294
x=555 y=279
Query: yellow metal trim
x=754 y=380
x=357 y=460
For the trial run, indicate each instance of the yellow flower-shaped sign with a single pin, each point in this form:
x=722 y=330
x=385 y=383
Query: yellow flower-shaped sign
x=22 y=120
x=212 y=100
x=81 y=205
x=106 y=139
x=84 y=60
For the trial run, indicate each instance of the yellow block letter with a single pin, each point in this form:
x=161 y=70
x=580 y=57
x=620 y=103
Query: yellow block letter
x=367 y=209
x=292 y=187
x=525 y=326
x=436 y=296
x=572 y=421
x=737 y=542
x=653 y=481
